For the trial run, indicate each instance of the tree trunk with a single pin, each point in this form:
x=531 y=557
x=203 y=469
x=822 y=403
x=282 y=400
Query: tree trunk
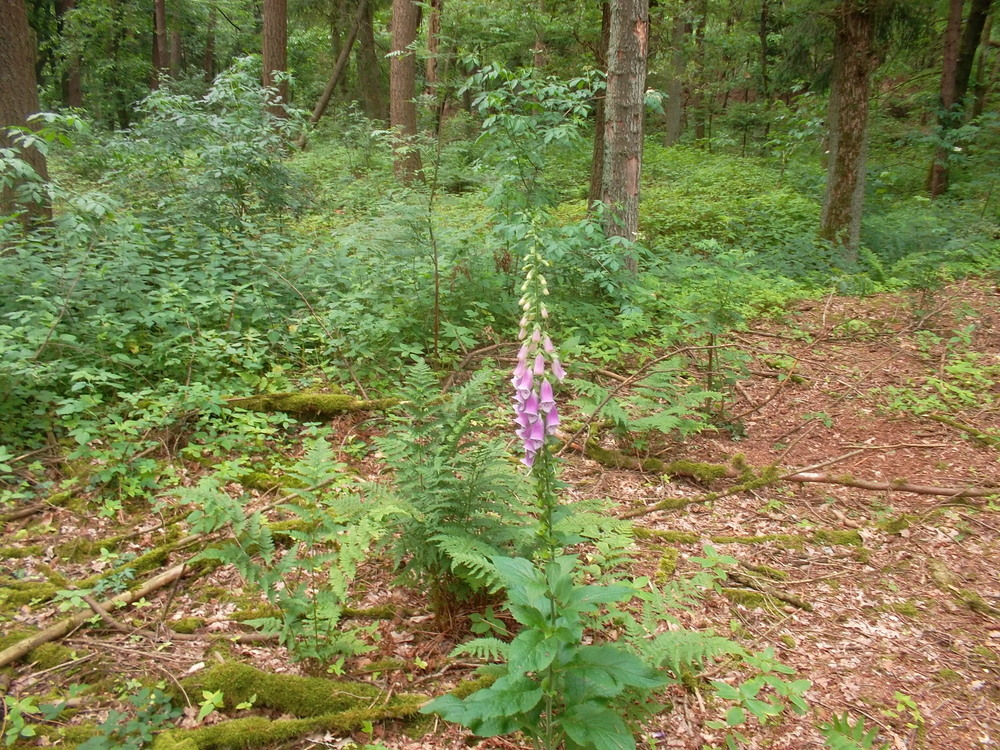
x=19 y=99
x=971 y=35
x=674 y=111
x=699 y=102
x=540 y=51
x=625 y=110
x=433 y=47
x=275 y=52
x=160 y=61
x=763 y=33
x=853 y=64
x=402 y=85
x=937 y=178
x=208 y=58
x=338 y=70
x=72 y=93
x=597 y=157
x=370 y=69
x=981 y=88
x=176 y=54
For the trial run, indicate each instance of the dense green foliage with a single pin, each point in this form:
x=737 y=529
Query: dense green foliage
x=195 y=258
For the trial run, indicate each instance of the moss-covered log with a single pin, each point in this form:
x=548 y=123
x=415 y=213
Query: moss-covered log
x=702 y=472
x=317 y=704
x=311 y=403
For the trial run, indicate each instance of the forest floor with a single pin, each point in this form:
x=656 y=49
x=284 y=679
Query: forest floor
x=887 y=600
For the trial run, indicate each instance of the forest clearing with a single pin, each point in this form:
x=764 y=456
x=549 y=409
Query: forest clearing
x=587 y=376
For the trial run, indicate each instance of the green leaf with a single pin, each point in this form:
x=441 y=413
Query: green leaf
x=735 y=716
x=594 y=725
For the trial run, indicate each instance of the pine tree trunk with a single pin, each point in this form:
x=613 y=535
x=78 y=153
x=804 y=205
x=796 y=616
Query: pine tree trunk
x=853 y=64
x=402 y=86
x=160 y=63
x=72 y=92
x=674 y=111
x=625 y=111
x=937 y=178
x=208 y=58
x=18 y=98
x=433 y=47
x=370 y=70
x=274 y=50
x=597 y=156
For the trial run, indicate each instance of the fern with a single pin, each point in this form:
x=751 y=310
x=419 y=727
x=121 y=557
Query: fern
x=458 y=492
x=487 y=649
x=686 y=651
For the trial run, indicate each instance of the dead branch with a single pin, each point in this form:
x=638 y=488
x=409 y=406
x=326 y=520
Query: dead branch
x=900 y=485
x=753 y=583
x=63 y=628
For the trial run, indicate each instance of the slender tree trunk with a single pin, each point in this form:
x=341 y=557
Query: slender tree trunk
x=208 y=59
x=19 y=99
x=72 y=92
x=698 y=99
x=402 y=86
x=338 y=70
x=433 y=46
x=625 y=111
x=674 y=111
x=597 y=157
x=176 y=54
x=971 y=35
x=160 y=61
x=982 y=83
x=540 y=52
x=370 y=69
x=763 y=32
x=937 y=178
x=853 y=63
x=275 y=51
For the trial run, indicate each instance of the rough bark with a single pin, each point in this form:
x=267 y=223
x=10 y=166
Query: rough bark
x=597 y=157
x=369 y=65
x=853 y=64
x=208 y=58
x=433 y=46
x=674 y=110
x=959 y=54
x=402 y=86
x=18 y=97
x=937 y=178
x=72 y=92
x=625 y=110
x=160 y=62
x=981 y=88
x=176 y=53
x=274 y=50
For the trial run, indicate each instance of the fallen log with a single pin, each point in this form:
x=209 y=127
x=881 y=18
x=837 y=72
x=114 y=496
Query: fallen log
x=64 y=627
x=311 y=403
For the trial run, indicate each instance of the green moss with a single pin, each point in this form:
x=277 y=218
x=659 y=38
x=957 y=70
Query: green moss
x=895 y=525
x=19 y=553
x=467 y=688
x=54 y=576
x=945 y=676
x=845 y=537
x=261 y=480
x=906 y=608
x=382 y=612
x=50 y=655
x=312 y=403
x=298 y=696
x=703 y=472
x=671 y=537
x=751 y=599
x=788 y=640
x=668 y=565
x=20 y=593
x=384 y=665
x=768 y=572
x=186 y=625
x=256 y=611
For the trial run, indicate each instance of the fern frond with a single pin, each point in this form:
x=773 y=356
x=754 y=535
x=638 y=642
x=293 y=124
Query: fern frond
x=688 y=650
x=487 y=649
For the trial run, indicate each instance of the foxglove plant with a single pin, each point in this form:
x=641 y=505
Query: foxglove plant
x=535 y=409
